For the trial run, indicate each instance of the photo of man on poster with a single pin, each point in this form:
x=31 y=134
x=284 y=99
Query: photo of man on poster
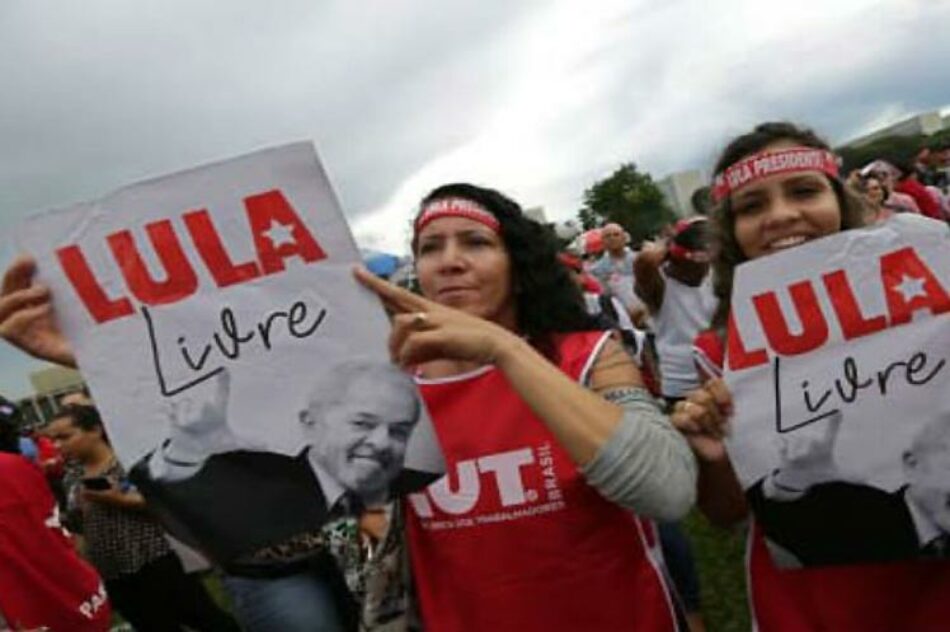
x=356 y=423
x=809 y=511
x=837 y=365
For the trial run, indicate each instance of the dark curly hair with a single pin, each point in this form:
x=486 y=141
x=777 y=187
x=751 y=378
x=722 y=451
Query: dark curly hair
x=726 y=251
x=84 y=417
x=547 y=301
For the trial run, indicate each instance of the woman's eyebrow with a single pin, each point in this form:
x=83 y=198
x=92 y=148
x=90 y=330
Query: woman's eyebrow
x=806 y=178
x=749 y=193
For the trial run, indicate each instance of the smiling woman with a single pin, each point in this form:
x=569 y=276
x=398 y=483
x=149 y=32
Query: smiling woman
x=806 y=204
x=784 y=204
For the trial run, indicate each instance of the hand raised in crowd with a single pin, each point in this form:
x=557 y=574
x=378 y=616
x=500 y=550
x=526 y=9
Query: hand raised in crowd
x=703 y=418
x=423 y=330
x=26 y=315
x=654 y=250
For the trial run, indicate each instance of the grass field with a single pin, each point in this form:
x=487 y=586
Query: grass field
x=719 y=557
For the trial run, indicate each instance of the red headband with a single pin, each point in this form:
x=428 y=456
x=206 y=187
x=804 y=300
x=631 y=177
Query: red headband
x=679 y=251
x=765 y=164
x=456 y=207
x=682 y=252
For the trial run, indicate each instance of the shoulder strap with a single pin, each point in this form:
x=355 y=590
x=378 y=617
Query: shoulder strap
x=607 y=307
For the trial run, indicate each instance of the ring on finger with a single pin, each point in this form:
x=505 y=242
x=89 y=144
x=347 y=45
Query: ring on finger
x=419 y=319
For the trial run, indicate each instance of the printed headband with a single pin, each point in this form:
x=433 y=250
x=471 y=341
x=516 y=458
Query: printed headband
x=679 y=251
x=682 y=252
x=456 y=207
x=770 y=163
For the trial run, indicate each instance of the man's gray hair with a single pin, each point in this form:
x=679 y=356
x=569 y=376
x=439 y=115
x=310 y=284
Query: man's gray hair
x=333 y=386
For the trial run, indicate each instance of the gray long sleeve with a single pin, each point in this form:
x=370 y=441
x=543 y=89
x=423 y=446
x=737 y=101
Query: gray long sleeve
x=646 y=465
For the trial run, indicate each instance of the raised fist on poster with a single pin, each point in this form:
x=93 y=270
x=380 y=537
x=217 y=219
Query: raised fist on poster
x=197 y=430
x=807 y=458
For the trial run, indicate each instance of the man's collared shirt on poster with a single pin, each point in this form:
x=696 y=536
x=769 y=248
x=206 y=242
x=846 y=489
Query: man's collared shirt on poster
x=927 y=530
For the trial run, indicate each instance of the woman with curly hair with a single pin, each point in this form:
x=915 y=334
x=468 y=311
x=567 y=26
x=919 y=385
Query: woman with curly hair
x=756 y=218
x=556 y=453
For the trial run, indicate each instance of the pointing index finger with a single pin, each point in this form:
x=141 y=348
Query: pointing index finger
x=396 y=298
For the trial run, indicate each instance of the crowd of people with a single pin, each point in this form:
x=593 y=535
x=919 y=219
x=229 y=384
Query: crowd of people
x=584 y=377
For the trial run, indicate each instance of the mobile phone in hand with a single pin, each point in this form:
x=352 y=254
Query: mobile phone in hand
x=96 y=483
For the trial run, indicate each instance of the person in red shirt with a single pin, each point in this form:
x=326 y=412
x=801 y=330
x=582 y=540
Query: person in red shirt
x=528 y=404
x=44 y=584
x=908 y=184
x=756 y=217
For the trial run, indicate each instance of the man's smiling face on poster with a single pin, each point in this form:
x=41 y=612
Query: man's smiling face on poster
x=359 y=424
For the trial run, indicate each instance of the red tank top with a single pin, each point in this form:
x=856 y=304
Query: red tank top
x=513 y=538
x=898 y=597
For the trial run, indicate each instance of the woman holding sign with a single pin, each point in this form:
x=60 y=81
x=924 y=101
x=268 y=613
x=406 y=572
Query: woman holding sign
x=551 y=440
x=778 y=187
x=549 y=436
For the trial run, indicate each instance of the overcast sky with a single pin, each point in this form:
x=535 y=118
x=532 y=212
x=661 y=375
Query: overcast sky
x=538 y=99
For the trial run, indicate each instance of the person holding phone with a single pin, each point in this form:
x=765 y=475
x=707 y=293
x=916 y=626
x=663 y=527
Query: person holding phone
x=143 y=577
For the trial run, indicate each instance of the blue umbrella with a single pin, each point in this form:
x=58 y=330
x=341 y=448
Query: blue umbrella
x=381 y=263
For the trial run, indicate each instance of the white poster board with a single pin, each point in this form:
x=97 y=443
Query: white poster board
x=228 y=289
x=837 y=361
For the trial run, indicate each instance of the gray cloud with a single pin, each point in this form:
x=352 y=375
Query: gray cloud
x=537 y=98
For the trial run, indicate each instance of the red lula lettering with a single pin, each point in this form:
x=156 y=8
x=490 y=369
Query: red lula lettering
x=266 y=213
x=896 y=269
x=737 y=356
x=263 y=211
x=100 y=306
x=214 y=254
x=180 y=279
x=814 y=328
x=902 y=273
x=853 y=322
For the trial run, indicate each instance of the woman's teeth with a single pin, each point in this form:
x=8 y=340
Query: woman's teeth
x=787 y=242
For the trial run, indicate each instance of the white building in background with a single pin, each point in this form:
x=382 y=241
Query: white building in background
x=56 y=379
x=926 y=123
x=537 y=214
x=49 y=385
x=678 y=189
